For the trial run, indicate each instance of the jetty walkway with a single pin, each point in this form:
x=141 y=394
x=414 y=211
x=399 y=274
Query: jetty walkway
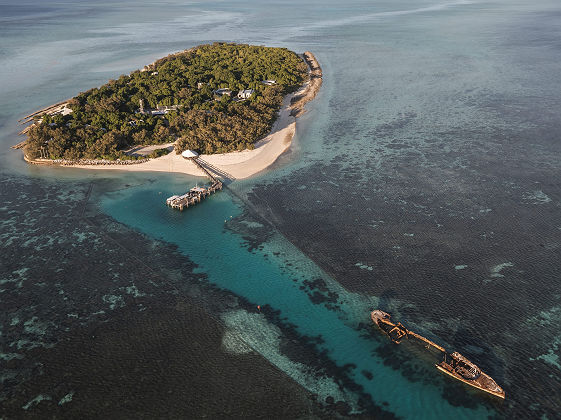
x=197 y=194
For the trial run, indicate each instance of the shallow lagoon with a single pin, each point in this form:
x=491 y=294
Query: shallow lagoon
x=277 y=281
x=432 y=145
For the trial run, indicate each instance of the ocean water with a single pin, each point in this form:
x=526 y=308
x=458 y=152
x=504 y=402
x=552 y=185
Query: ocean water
x=424 y=180
x=277 y=275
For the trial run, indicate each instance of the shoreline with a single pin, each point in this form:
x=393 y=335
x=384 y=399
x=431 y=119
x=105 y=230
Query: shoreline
x=238 y=165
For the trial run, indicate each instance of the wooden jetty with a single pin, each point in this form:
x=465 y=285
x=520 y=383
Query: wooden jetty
x=197 y=194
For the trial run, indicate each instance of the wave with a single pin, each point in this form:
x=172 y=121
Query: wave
x=351 y=20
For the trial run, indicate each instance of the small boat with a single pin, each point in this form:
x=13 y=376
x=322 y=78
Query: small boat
x=454 y=364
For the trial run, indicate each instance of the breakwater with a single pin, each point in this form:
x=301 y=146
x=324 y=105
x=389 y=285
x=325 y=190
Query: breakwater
x=94 y=162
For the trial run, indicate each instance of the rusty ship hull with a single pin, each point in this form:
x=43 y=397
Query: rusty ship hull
x=454 y=364
x=474 y=377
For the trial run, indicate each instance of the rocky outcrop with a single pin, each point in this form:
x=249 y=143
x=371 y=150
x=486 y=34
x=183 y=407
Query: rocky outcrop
x=311 y=88
x=69 y=162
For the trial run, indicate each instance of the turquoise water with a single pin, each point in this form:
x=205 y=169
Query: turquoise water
x=201 y=232
x=432 y=145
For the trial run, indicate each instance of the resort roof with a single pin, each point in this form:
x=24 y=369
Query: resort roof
x=223 y=91
x=187 y=154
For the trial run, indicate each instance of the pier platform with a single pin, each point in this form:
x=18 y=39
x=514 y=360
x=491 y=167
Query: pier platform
x=197 y=194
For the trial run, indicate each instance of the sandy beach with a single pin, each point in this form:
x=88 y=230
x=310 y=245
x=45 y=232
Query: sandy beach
x=239 y=165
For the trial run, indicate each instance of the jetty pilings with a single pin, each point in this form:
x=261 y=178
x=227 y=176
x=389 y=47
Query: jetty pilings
x=197 y=194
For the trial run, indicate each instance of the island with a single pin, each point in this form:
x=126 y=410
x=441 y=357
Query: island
x=234 y=104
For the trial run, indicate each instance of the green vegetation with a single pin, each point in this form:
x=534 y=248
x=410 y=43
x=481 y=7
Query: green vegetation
x=158 y=152
x=106 y=121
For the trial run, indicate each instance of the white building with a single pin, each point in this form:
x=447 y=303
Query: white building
x=189 y=154
x=245 y=93
x=160 y=110
x=222 y=92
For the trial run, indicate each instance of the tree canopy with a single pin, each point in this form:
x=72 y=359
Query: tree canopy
x=106 y=121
